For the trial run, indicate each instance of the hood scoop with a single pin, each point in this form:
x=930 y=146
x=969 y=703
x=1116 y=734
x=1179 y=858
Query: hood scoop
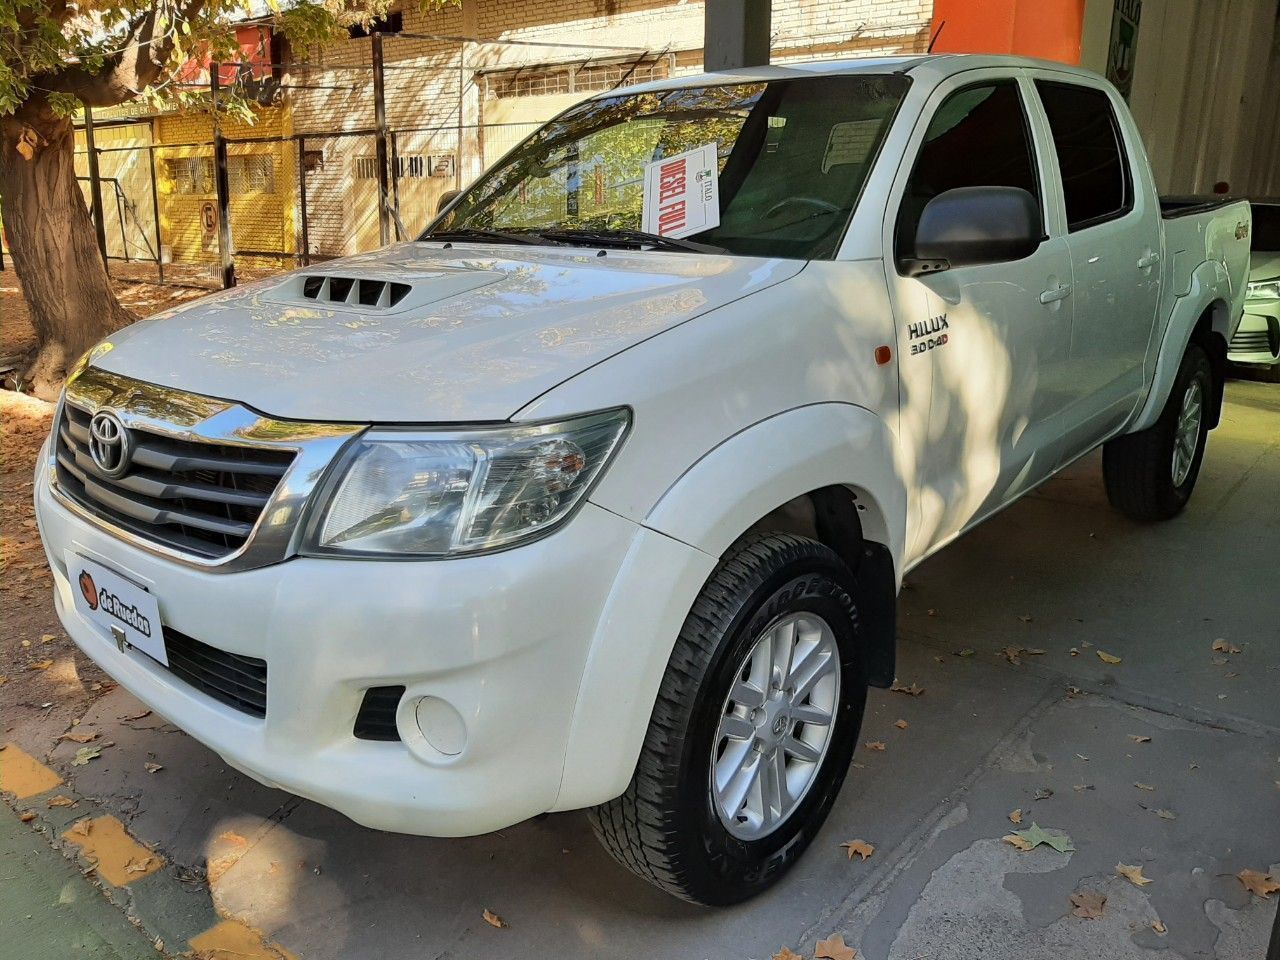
x=354 y=291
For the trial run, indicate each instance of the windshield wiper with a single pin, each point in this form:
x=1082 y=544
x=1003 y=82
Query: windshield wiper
x=640 y=237
x=493 y=236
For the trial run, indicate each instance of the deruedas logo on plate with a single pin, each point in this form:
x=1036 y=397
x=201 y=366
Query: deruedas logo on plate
x=113 y=605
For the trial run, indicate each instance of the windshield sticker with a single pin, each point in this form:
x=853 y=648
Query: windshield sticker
x=682 y=193
x=850 y=142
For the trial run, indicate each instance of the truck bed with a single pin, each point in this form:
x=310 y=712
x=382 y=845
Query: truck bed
x=1182 y=206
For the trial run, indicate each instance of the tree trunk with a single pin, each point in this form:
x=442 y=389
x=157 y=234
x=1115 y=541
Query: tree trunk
x=53 y=247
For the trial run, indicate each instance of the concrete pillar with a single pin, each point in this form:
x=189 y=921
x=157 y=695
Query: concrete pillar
x=736 y=34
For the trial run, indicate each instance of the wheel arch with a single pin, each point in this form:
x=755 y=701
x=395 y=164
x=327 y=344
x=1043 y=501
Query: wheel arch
x=1203 y=316
x=826 y=470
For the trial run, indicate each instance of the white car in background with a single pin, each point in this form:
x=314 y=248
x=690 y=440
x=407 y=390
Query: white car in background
x=1256 y=344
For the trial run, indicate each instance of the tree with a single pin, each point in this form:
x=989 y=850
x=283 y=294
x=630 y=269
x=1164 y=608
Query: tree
x=56 y=55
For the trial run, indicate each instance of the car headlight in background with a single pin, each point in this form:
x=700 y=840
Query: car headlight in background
x=1263 y=290
x=438 y=493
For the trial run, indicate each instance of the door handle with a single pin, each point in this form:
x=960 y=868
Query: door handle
x=1148 y=260
x=1053 y=294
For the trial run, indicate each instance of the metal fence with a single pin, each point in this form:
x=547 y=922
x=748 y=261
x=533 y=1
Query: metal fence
x=216 y=211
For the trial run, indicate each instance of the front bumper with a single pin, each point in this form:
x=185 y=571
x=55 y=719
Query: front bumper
x=503 y=638
x=1257 y=339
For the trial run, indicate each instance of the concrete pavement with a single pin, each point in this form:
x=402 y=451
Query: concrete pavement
x=1052 y=734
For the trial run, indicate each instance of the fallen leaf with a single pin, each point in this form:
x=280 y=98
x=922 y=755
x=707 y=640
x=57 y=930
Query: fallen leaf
x=493 y=920
x=1087 y=904
x=1016 y=816
x=47 y=638
x=61 y=801
x=1032 y=837
x=152 y=767
x=1144 y=786
x=135 y=716
x=1164 y=814
x=1107 y=658
x=82 y=827
x=3 y=680
x=84 y=755
x=1132 y=874
x=1221 y=646
x=1044 y=793
x=1159 y=927
x=138 y=866
x=27 y=816
x=1260 y=884
x=966 y=652
x=1025 y=619
x=786 y=954
x=1035 y=652
x=1081 y=756
x=1082 y=786
x=911 y=691
x=1139 y=738
x=80 y=736
x=877 y=745
x=1013 y=654
x=1074 y=651
x=859 y=847
x=901 y=724
x=26 y=643
x=833 y=948
x=40 y=665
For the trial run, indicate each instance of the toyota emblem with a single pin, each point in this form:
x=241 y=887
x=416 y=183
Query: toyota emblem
x=109 y=444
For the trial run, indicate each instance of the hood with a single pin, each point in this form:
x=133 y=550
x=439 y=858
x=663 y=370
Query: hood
x=469 y=333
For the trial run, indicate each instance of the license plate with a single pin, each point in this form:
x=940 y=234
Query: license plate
x=125 y=612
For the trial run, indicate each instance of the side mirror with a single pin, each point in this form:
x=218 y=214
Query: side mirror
x=446 y=198
x=973 y=225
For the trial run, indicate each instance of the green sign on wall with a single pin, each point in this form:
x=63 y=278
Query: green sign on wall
x=1124 y=44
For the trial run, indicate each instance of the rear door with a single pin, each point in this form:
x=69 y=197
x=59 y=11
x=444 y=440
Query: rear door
x=982 y=348
x=1113 y=234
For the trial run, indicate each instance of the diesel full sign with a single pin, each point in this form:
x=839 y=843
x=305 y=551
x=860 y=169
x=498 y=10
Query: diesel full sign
x=682 y=194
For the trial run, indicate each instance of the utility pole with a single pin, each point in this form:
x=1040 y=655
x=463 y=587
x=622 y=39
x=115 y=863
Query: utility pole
x=380 y=147
x=221 y=183
x=95 y=184
x=736 y=34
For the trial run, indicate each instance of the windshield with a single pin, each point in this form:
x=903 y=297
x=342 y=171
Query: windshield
x=791 y=158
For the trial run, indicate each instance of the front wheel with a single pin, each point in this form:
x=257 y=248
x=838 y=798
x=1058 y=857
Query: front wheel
x=1150 y=474
x=753 y=730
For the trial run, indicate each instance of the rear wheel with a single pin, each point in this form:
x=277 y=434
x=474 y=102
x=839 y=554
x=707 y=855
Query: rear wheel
x=1150 y=474
x=753 y=730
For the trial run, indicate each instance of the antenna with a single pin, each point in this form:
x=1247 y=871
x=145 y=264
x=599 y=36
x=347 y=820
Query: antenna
x=936 y=36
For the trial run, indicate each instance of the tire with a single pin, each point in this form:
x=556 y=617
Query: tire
x=667 y=827
x=1143 y=478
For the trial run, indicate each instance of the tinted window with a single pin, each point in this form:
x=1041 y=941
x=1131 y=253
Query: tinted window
x=978 y=138
x=1086 y=137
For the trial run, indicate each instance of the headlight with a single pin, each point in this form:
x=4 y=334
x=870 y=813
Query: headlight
x=427 y=493
x=1263 y=290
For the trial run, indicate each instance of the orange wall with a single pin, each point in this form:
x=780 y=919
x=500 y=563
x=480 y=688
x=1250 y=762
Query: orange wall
x=1049 y=29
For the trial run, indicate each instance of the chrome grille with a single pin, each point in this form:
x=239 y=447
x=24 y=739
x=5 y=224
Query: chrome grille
x=203 y=498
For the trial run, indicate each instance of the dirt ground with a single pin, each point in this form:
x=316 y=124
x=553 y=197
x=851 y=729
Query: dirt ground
x=45 y=682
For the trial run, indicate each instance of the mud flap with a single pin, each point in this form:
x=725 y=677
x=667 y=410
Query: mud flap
x=877 y=602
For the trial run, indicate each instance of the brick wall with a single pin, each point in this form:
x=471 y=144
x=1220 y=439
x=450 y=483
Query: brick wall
x=263 y=179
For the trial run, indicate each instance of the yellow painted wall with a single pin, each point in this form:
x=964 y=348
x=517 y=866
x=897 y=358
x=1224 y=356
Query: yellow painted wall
x=261 y=219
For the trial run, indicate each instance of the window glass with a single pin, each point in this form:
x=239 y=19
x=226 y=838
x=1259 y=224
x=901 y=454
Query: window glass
x=978 y=138
x=1086 y=137
x=793 y=156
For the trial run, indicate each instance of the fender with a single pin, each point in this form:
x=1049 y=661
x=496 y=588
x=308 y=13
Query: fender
x=679 y=545
x=1206 y=281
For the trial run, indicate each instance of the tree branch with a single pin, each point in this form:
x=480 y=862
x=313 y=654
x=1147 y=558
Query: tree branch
x=141 y=59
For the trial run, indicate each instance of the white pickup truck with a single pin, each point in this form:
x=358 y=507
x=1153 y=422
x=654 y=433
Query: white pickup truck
x=599 y=493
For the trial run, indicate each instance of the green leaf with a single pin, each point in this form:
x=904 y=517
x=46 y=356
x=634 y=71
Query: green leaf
x=1032 y=837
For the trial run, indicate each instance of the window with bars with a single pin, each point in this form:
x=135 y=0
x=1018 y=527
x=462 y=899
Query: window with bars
x=252 y=173
x=192 y=175
x=572 y=78
x=411 y=166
